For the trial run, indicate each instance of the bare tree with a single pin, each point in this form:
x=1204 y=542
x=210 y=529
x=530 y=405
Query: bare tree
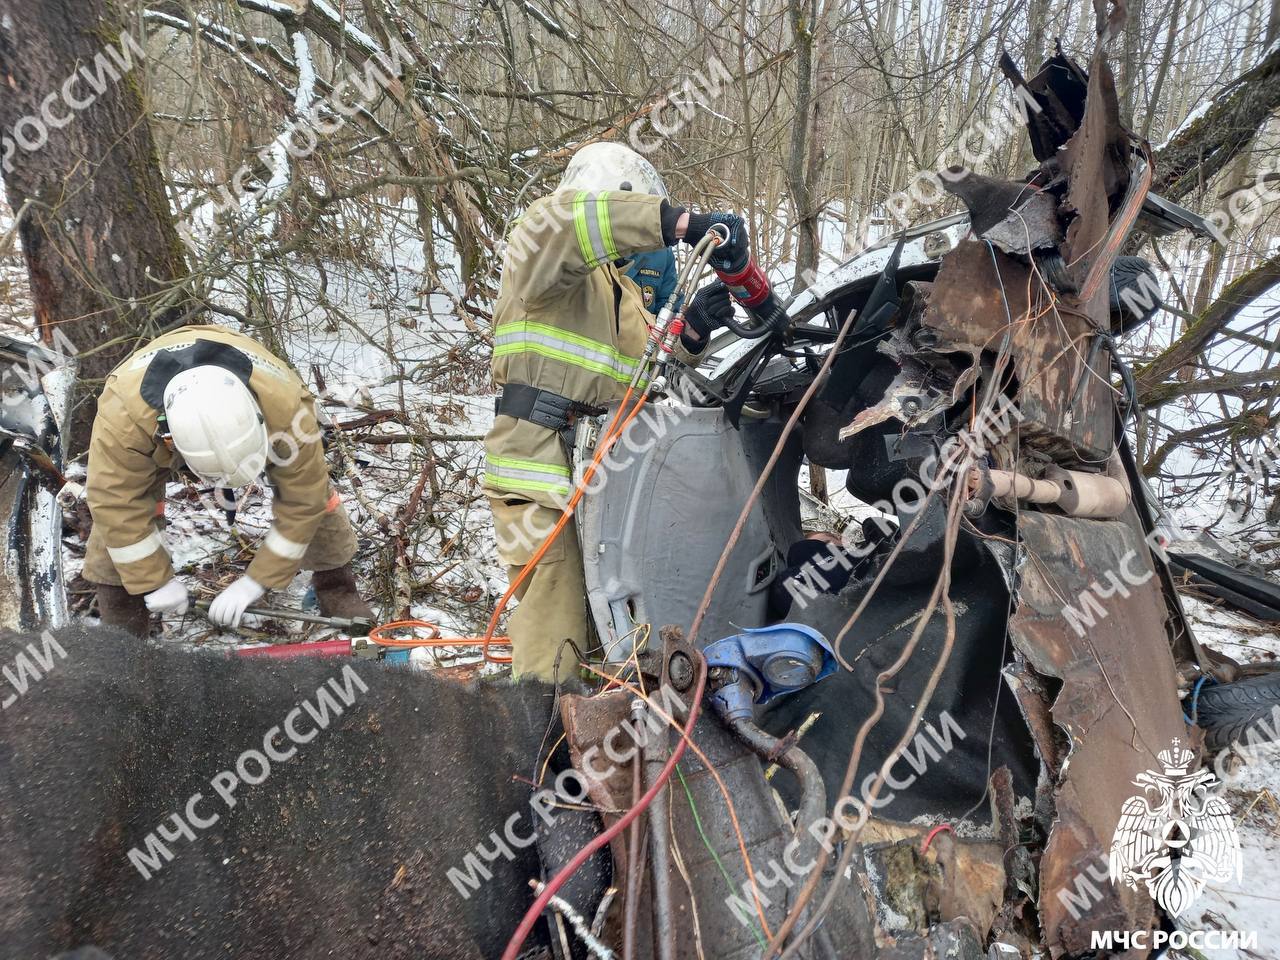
x=97 y=232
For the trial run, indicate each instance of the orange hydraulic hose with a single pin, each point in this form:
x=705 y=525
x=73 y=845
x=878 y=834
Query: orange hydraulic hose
x=379 y=635
x=611 y=434
x=621 y=420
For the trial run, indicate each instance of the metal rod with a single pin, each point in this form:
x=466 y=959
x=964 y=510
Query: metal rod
x=656 y=749
x=282 y=614
x=635 y=849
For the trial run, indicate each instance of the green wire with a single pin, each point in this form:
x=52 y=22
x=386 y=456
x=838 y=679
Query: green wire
x=697 y=822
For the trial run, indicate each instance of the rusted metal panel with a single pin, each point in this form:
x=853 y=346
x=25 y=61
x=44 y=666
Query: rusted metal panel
x=1033 y=700
x=1096 y=163
x=1118 y=704
x=952 y=878
x=982 y=293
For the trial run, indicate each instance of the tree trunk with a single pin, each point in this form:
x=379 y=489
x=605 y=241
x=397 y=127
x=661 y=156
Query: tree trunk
x=1237 y=111
x=803 y=26
x=98 y=234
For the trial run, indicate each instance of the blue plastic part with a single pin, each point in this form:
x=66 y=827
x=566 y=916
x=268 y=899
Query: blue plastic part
x=771 y=662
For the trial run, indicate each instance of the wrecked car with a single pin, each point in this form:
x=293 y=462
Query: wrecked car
x=1022 y=615
x=35 y=400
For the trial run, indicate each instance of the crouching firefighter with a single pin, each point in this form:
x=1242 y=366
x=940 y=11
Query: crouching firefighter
x=224 y=407
x=570 y=329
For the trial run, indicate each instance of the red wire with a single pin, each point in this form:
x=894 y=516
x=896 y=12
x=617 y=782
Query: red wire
x=534 y=912
x=924 y=847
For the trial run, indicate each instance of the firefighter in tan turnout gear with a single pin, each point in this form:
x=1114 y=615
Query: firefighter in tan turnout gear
x=227 y=409
x=569 y=330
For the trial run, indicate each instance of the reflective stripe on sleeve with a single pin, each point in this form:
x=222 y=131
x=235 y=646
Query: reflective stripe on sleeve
x=593 y=228
x=282 y=546
x=605 y=226
x=136 y=551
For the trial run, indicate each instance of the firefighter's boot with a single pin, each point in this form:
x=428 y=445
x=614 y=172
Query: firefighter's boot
x=117 y=607
x=337 y=595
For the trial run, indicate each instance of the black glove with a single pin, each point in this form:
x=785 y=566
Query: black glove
x=708 y=310
x=730 y=256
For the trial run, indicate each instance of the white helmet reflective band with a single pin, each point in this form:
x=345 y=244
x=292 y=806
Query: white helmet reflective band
x=611 y=166
x=216 y=425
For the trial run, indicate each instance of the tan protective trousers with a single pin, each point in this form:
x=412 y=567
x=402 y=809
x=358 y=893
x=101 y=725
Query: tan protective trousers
x=333 y=545
x=551 y=611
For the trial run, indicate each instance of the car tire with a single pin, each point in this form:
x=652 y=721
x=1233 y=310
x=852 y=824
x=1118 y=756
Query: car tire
x=1238 y=712
x=1135 y=293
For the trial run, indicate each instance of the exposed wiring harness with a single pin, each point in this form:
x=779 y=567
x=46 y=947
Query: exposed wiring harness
x=601 y=839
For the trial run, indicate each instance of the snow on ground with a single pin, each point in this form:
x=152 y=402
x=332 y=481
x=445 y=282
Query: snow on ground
x=1251 y=787
x=368 y=339
x=1252 y=903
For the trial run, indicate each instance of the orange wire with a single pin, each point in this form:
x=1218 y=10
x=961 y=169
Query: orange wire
x=724 y=791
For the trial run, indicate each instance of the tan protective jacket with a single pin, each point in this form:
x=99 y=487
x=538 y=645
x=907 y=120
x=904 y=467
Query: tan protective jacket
x=126 y=458
x=567 y=321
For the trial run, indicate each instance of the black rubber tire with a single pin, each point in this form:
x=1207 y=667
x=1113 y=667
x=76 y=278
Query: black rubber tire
x=1231 y=712
x=1132 y=274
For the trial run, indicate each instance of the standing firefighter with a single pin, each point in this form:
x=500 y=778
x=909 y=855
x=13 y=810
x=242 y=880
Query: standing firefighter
x=569 y=331
x=224 y=407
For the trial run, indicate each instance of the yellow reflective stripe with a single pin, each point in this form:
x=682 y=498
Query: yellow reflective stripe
x=502 y=483
x=606 y=227
x=536 y=466
x=517 y=327
x=580 y=228
x=282 y=546
x=551 y=353
x=544 y=350
x=134 y=552
x=512 y=473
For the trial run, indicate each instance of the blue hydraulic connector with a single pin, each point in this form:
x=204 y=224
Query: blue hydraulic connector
x=769 y=662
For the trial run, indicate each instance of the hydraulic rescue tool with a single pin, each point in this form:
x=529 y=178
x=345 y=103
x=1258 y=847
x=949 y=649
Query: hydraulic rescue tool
x=355 y=626
x=751 y=288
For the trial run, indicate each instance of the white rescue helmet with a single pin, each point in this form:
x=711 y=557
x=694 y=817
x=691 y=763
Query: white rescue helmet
x=611 y=166
x=216 y=426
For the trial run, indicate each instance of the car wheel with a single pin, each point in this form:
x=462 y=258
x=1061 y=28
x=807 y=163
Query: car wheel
x=1241 y=711
x=1135 y=293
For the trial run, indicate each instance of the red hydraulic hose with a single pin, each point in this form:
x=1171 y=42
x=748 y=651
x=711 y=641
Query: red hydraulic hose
x=321 y=648
x=531 y=915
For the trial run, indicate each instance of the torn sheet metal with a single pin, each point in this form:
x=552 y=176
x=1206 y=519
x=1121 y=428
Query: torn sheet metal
x=1118 y=706
x=982 y=294
x=952 y=878
x=929 y=382
x=1016 y=217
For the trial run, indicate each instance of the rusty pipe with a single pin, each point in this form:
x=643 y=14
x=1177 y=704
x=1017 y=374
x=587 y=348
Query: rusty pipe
x=635 y=848
x=656 y=749
x=1075 y=493
x=1008 y=483
x=813 y=791
x=1090 y=494
x=813 y=799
